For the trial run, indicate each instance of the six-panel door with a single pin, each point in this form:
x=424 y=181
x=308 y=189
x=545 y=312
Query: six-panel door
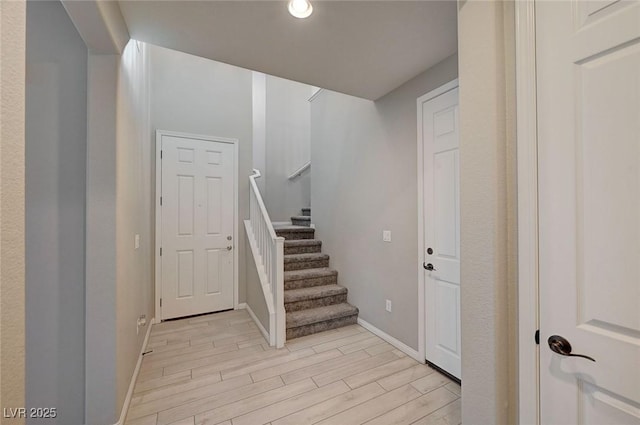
x=588 y=77
x=442 y=231
x=197 y=226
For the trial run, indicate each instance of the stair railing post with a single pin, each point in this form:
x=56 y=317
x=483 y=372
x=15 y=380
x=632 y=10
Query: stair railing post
x=279 y=283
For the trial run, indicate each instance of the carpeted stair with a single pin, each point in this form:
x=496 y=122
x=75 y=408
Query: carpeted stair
x=302 y=220
x=312 y=297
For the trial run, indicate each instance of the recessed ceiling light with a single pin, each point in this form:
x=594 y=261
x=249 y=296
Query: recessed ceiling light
x=300 y=8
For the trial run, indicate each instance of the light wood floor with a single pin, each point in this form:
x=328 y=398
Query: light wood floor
x=218 y=369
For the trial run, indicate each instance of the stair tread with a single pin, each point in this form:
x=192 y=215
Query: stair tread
x=310 y=256
x=313 y=292
x=319 y=314
x=301 y=217
x=309 y=273
x=302 y=242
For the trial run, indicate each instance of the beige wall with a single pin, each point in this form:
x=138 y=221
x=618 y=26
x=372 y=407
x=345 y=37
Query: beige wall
x=365 y=180
x=488 y=211
x=12 y=265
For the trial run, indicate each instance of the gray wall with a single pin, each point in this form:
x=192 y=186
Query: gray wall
x=364 y=181
x=56 y=134
x=259 y=96
x=101 y=265
x=288 y=116
x=255 y=294
x=119 y=284
x=195 y=95
x=134 y=288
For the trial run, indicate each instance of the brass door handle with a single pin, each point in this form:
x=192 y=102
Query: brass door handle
x=561 y=346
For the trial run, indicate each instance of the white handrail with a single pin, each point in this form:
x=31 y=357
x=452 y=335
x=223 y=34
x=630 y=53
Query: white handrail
x=268 y=251
x=300 y=170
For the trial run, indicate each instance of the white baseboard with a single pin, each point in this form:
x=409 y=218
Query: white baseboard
x=134 y=377
x=258 y=324
x=391 y=340
x=241 y=306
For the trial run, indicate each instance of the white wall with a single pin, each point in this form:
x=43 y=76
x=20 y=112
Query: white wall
x=56 y=134
x=488 y=211
x=134 y=291
x=195 y=95
x=364 y=181
x=288 y=121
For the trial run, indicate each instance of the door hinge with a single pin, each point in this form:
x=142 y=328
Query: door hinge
x=160 y=154
x=161 y=200
x=161 y=251
x=537 y=336
x=160 y=302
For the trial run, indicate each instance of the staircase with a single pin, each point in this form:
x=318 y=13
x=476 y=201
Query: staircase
x=313 y=300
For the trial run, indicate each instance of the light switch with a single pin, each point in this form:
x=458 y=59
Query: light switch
x=136 y=241
x=386 y=235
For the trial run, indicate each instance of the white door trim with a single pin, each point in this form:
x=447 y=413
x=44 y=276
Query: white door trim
x=527 y=164
x=158 y=238
x=422 y=322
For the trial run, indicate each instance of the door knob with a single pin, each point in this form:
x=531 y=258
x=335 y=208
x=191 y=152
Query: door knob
x=429 y=267
x=560 y=345
x=229 y=248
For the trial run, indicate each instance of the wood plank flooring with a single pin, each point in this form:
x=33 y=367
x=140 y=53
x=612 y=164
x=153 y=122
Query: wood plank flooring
x=218 y=369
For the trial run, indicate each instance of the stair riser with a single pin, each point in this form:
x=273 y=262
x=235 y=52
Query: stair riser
x=295 y=235
x=316 y=302
x=321 y=326
x=288 y=250
x=304 y=223
x=306 y=212
x=312 y=281
x=302 y=265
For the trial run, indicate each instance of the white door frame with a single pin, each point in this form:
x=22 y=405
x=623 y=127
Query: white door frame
x=158 y=241
x=527 y=164
x=422 y=320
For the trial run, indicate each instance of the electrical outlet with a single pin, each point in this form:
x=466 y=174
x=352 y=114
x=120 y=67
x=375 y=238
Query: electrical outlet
x=388 y=306
x=142 y=321
x=386 y=235
x=136 y=241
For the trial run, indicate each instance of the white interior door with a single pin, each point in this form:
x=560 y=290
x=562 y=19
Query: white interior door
x=197 y=226
x=588 y=79
x=442 y=231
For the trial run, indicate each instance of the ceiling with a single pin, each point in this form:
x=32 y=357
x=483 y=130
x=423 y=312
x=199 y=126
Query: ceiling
x=361 y=48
